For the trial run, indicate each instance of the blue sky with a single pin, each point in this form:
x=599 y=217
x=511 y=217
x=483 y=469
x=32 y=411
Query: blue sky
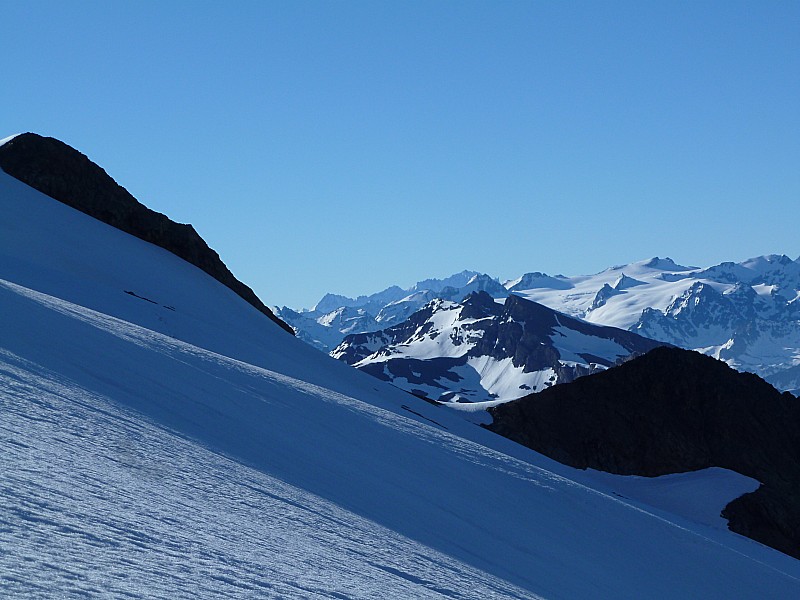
x=348 y=146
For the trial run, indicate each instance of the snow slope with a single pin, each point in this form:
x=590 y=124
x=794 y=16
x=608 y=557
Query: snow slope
x=185 y=446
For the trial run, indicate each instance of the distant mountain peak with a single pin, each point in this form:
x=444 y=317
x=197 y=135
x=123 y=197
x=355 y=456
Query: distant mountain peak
x=625 y=282
x=537 y=279
x=665 y=264
x=747 y=313
x=479 y=349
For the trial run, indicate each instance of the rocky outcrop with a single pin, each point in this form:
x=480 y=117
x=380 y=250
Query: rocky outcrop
x=672 y=411
x=61 y=172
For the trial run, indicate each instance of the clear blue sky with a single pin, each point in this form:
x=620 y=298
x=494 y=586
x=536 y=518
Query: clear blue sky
x=348 y=146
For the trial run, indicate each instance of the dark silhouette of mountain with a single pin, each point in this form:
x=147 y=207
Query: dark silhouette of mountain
x=63 y=173
x=671 y=411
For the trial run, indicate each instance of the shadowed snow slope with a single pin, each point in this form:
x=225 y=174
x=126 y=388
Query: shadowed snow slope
x=162 y=438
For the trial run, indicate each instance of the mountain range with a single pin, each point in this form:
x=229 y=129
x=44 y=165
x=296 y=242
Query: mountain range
x=335 y=316
x=163 y=436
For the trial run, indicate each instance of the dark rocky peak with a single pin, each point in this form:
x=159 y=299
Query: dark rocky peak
x=538 y=280
x=694 y=299
x=702 y=306
x=540 y=321
x=665 y=264
x=61 y=172
x=625 y=282
x=530 y=333
x=785 y=275
x=602 y=296
x=672 y=411
x=533 y=336
x=330 y=302
x=522 y=310
x=479 y=305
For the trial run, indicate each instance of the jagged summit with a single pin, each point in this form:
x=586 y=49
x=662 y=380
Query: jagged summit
x=537 y=279
x=665 y=264
x=478 y=350
x=624 y=282
x=65 y=174
x=746 y=313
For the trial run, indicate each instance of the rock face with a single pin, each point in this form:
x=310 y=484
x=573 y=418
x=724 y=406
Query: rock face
x=58 y=170
x=672 y=411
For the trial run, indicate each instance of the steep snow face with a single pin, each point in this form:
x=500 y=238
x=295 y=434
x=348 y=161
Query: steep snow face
x=162 y=438
x=49 y=247
x=479 y=350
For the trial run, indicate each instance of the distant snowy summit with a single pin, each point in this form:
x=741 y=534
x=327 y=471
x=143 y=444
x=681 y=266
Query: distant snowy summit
x=481 y=349
x=746 y=314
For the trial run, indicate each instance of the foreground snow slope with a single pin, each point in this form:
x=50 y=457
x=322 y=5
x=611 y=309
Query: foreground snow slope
x=128 y=450
x=199 y=451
